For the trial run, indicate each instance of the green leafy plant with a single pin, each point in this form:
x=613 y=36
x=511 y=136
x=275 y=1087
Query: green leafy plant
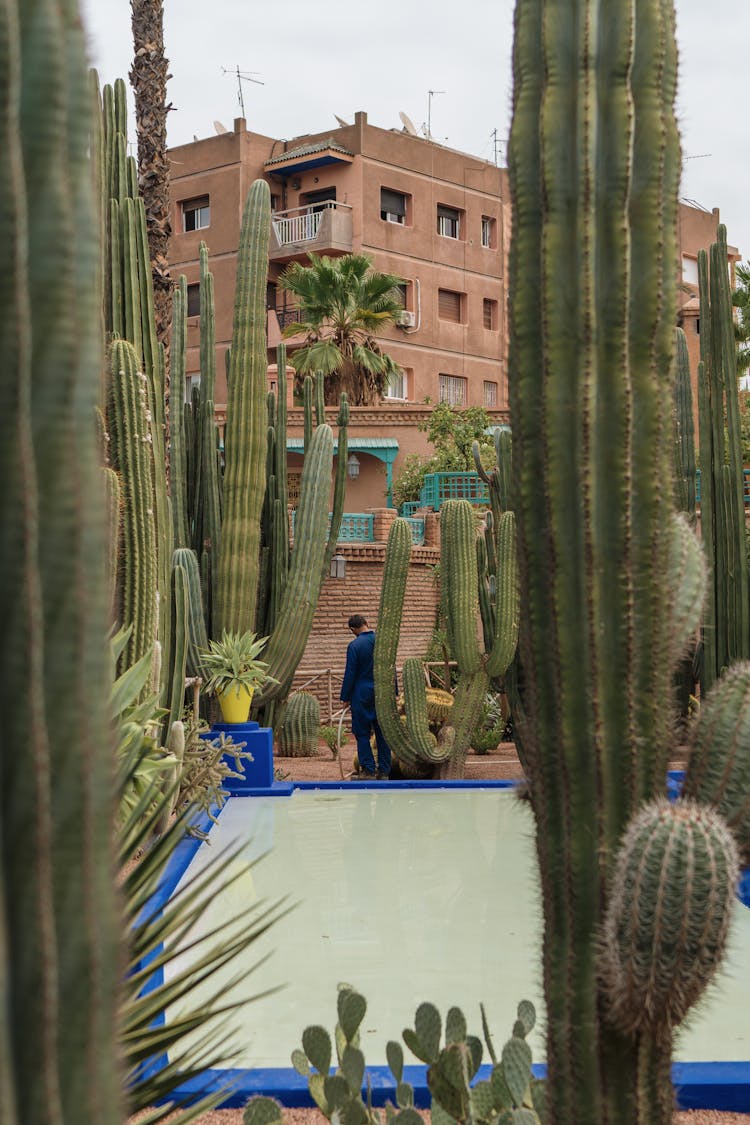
x=330 y=736
x=489 y=731
x=234 y=662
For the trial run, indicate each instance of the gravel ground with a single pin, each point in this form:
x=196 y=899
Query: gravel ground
x=501 y=764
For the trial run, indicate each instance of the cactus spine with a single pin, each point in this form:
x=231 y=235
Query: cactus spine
x=60 y=931
x=298 y=736
x=245 y=434
x=594 y=165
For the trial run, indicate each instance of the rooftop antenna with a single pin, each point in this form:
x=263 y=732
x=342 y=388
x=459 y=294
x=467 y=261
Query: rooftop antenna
x=242 y=76
x=407 y=123
x=431 y=95
x=497 y=143
x=342 y=123
x=220 y=128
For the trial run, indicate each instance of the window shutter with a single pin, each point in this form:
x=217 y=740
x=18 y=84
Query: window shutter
x=392 y=201
x=449 y=305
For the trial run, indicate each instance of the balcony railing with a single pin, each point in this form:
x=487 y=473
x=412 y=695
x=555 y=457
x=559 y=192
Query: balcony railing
x=297 y=225
x=324 y=226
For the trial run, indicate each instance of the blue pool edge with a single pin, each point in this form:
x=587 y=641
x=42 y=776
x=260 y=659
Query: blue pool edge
x=700 y=1085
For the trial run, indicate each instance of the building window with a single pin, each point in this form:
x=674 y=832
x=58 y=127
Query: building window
x=488 y=232
x=397 y=385
x=489 y=314
x=392 y=206
x=275 y=202
x=319 y=200
x=689 y=270
x=453 y=389
x=490 y=394
x=194 y=299
x=449 y=305
x=448 y=221
x=192 y=383
x=196 y=214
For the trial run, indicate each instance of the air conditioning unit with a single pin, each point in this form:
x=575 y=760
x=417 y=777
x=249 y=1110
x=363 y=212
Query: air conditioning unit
x=406 y=319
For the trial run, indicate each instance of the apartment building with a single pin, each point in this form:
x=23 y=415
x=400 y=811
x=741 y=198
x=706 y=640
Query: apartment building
x=436 y=217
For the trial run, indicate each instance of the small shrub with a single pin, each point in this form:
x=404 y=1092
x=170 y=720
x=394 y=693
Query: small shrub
x=330 y=735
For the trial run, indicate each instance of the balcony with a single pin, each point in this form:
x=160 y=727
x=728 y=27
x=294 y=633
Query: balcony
x=325 y=228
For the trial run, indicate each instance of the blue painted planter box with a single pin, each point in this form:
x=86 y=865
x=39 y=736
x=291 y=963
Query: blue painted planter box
x=259 y=742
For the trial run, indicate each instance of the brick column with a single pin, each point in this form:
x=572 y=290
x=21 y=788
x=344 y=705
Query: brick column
x=384 y=517
x=431 y=528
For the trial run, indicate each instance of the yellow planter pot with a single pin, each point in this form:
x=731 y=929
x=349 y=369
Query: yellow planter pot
x=235 y=703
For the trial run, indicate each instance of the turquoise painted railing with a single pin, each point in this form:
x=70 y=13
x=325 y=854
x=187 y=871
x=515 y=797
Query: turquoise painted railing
x=359 y=527
x=356 y=527
x=439 y=487
x=745 y=483
x=417 y=530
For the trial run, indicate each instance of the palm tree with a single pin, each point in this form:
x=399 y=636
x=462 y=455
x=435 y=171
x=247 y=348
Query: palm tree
x=148 y=77
x=741 y=301
x=343 y=302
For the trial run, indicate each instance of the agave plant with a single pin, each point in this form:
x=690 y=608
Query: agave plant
x=233 y=662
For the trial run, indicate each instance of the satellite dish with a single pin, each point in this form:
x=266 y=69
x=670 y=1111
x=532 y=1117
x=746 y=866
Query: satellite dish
x=342 y=123
x=408 y=124
x=220 y=128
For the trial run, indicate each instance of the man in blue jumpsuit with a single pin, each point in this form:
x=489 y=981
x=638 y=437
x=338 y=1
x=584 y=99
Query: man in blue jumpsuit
x=358 y=690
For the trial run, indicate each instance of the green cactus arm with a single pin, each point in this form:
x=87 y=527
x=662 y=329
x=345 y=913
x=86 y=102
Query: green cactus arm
x=197 y=637
x=684 y=428
x=245 y=433
x=307 y=402
x=320 y=402
x=178 y=354
x=287 y=642
x=281 y=422
x=421 y=739
x=178 y=648
x=339 y=485
x=395 y=570
x=137 y=604
x=507 y=598
x=458 y=560
x=718 y=771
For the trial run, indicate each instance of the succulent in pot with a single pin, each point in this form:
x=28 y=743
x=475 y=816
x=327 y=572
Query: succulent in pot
x=235 y=670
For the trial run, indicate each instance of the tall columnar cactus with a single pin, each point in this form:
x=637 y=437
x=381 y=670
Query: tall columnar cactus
x=611 y=581
x=131 y=435
x=60 y=943
x=245 y=433
x=726 y=632
x=412 y=741
x=129 y=315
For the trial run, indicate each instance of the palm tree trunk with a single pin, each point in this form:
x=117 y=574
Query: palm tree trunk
x=148 y=77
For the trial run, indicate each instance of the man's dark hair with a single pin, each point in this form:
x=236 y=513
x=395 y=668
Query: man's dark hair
x=356 y=621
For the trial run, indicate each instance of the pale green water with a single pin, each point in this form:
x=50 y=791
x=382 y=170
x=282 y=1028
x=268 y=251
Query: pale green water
x=410 y=896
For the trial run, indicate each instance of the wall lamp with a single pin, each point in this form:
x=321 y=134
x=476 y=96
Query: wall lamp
x=352 y=465
x=338 y=566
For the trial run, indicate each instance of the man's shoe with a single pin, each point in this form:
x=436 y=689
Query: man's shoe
x=362 y=775
x=383 y=776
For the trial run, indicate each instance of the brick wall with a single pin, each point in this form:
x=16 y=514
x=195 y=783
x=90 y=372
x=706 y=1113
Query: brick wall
x=359 y=592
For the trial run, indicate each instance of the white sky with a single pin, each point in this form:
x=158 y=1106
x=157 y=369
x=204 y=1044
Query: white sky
x=317 y=59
